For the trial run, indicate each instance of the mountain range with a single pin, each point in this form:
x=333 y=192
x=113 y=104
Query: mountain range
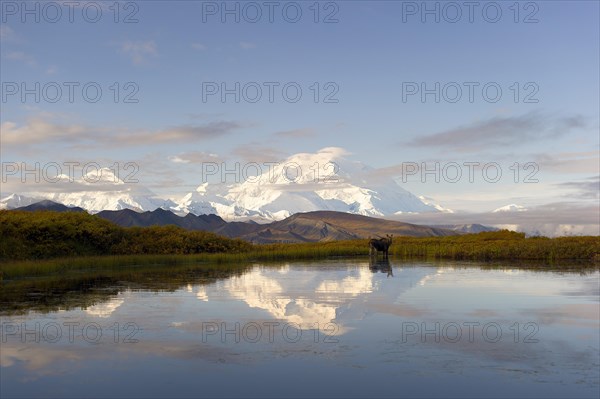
x=301 y=183
x=300 y=227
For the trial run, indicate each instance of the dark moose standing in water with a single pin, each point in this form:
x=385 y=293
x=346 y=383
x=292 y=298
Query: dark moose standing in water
x=377 y=245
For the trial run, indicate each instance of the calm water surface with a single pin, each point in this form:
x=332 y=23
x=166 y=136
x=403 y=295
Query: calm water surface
x=332 y=329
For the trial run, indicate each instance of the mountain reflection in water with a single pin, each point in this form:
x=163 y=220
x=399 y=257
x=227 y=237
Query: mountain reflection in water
x=345 y=327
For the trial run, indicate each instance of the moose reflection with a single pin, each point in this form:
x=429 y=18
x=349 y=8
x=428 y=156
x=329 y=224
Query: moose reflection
x=377 y=245
x=381 y=265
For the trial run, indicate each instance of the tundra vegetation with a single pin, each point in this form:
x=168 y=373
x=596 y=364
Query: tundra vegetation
x=38 y=243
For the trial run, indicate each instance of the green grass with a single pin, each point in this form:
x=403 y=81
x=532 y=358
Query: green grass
x=259 y=253
x=46 y=243
x=497 y=246
x=502 y=245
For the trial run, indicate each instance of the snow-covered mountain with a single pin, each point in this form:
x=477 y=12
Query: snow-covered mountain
x=17 y=201
x=430 y=202
x=96 y=191
x=302 y=183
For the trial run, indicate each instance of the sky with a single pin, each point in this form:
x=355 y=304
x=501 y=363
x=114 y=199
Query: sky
x=159 y=88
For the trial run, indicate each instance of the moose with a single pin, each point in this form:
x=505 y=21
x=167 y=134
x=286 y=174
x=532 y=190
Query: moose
x=377 y=245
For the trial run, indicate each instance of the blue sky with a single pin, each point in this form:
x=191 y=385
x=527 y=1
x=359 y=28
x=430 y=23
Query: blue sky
x=368 y=56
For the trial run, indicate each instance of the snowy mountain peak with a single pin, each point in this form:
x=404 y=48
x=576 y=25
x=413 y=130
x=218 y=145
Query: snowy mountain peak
x=202 y=188
x=102 y=175
x=97 y=190
x=430 y=202
x=304 y=182
x=303 y=168
x=17 y=201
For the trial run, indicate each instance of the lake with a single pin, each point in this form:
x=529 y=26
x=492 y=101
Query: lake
x=343 y=328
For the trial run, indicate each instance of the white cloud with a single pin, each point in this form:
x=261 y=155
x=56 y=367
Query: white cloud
x=38 y=130
x=139 y=51
x=502 y=131
x=586 y=189
x=21 y=56
x=41 y=130
x=176 y=159
x=195 y=157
